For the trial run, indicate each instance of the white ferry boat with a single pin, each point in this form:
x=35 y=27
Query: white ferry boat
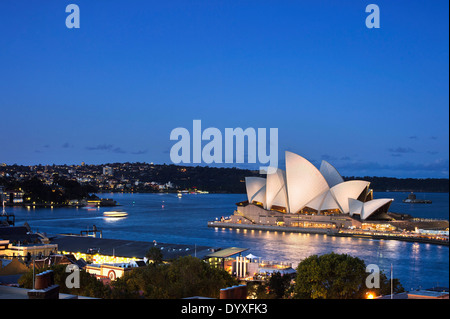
x=115 y=214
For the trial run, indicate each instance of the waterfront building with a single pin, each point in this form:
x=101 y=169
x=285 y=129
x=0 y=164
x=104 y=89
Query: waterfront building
x=12 y=196
x=255 y=269
x=247 y=267
x=304 y=196
x=224 y=258
x=28 y=250
x=19 y=241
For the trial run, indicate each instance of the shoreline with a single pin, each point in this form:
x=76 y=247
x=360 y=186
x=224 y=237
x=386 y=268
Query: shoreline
x=39 y=205
x=225 y=192
x=328 y=232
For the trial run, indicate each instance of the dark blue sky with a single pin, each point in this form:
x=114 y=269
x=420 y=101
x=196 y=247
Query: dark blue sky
x=370 y=101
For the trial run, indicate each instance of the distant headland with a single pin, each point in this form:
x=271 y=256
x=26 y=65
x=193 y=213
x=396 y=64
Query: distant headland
x=61 y=184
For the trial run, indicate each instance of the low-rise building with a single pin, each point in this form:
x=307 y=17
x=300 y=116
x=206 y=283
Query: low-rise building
x=112 y=271
x=13 y=196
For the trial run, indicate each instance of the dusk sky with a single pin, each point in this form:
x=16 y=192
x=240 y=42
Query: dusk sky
x=372 y=102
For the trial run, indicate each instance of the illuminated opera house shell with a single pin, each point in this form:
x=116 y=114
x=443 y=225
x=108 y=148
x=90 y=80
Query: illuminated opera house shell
x=303 y=186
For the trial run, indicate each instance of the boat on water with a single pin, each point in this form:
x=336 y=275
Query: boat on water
x=115 y=214
x=179 y=195
x=412 y=199
x=90 y=207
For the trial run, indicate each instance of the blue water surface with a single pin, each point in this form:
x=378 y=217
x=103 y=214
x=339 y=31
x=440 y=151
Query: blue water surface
x=169 y=219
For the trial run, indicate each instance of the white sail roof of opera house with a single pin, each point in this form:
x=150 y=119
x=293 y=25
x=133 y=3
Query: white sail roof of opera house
x=304 y=181
x=303 y=185
x=256 y=189
x=350 y=189
x=337 y=197
x=330 y=174
x=276 y=192
x=368 y=208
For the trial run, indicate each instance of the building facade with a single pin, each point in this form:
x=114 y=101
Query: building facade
x=304 y=189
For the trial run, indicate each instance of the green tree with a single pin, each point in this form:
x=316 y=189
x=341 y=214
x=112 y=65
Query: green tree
x=330 y=276
x=155 y=255
x=184 y=277
x=89 y=285
x=278 y=285
x=258 y=290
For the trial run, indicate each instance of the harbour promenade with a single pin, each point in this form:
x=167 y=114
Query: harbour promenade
x=403 y=236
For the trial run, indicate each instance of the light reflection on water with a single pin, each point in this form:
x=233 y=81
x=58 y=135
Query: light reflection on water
x=185 y=220
x=416 y=265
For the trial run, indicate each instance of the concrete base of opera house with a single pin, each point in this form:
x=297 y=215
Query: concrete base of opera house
x=321 y=231
x=253 y=214
x=272 y=228
x=253 y=217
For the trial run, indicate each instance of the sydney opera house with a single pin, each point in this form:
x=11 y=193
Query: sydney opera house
x=305 y=196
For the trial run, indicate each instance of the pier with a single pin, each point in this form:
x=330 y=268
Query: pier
x=271 y=228
x=7 y=219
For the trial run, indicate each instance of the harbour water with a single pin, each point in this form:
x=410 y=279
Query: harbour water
x=169 y=219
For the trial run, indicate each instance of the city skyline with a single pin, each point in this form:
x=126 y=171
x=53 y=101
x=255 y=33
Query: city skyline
x=372 y=101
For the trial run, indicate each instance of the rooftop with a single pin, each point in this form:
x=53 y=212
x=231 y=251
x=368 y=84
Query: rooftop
x=18 y=233
x=227 y=252
x=7 y=292
x=127 y=248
